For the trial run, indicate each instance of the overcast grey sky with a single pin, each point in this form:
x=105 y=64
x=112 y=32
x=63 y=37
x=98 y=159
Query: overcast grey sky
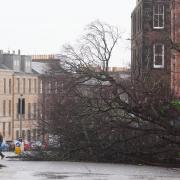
x=43 y=26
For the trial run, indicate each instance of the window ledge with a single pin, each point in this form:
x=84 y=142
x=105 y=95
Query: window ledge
x=158 y=27
x=158 y=67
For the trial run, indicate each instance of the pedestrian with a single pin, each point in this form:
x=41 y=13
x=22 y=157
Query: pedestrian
x=1 y=141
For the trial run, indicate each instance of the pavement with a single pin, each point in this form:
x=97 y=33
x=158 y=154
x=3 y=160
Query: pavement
x=14 y=169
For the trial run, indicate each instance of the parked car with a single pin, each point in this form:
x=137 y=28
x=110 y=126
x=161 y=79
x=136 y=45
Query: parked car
x=38 y=145
x=27 y=146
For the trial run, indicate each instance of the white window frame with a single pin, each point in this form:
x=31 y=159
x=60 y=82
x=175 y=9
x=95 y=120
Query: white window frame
x=158 y=14
x=154 y=55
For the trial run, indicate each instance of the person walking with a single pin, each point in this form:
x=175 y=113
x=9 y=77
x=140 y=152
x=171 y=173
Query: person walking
x=1 y=141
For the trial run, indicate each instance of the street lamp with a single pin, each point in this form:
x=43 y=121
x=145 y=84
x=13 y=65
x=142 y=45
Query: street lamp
x=21 y=111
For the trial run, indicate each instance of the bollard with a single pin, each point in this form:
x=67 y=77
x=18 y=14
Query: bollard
x=18 y=147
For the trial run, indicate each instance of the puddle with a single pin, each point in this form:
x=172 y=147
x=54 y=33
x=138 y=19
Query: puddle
x=52 y=175
x=145 y=177
x=57 y=175
x=2 y=166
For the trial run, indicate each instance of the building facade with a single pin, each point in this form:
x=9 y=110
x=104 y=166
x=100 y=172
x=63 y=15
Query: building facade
x=155 y=28
x=18 y=79
x=6 y=103
x=175 y=36
x=27 y=86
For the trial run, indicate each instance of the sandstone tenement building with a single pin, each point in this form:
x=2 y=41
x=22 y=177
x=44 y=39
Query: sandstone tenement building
x=17 y=78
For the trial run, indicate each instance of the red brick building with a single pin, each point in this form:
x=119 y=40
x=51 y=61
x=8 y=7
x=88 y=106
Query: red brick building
x=155 y=27
x=175 y=36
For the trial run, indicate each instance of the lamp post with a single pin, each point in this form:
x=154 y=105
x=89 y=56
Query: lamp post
x=21 y=112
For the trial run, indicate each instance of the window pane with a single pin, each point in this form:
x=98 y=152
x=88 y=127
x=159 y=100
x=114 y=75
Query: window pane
x=34 y=134
x=29 y=111
x=9 y=107
x=9 y=129
x=29 y=85
x=24 y=85
x=158 y=55
x=4 y=107
x=158 y=60
x=17 y=134
x=18 y=85
x=158 y=16
x=161 y=24
x=23 y=134
x=156 y=21
x=4 y=85
x=29 y=135
x=35 y=86
x=158 y=49
x=9 y=86
x=4 y=128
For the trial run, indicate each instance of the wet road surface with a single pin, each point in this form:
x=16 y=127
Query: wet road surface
x=13 y=169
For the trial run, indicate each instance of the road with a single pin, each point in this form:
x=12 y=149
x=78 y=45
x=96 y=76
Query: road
x=29 y=170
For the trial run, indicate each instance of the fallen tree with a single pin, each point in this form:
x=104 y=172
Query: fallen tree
x=98 y=116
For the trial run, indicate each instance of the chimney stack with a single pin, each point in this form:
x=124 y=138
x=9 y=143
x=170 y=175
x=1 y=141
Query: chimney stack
x=19 y=51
